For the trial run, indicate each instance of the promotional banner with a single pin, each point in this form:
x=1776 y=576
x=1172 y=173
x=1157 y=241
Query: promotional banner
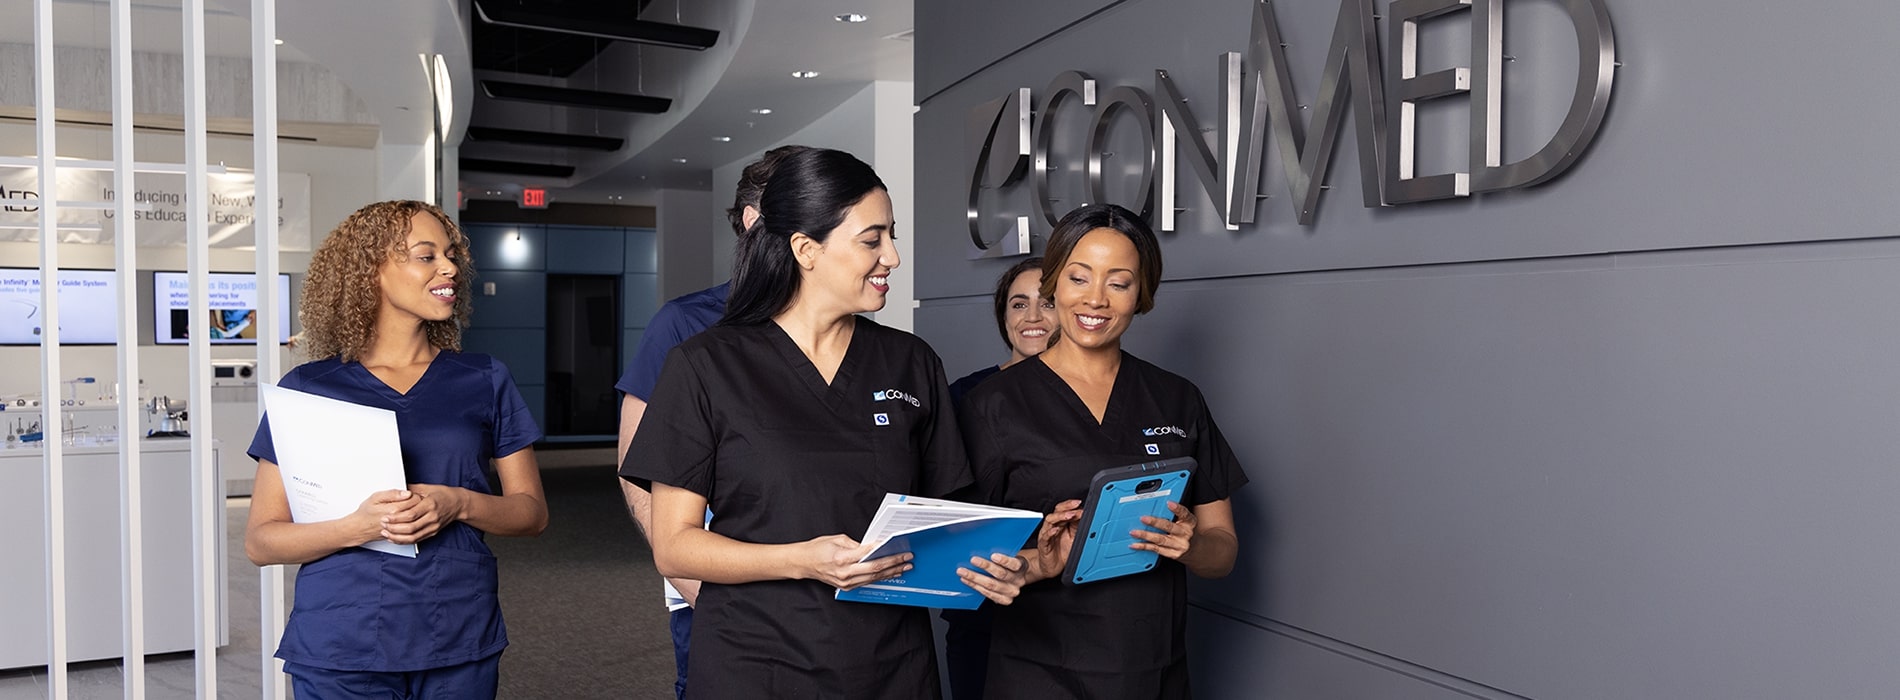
x=161 y=218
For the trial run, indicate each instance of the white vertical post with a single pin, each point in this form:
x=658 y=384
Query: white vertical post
x=205 y=482
x=271 y=585
x=52 y=442
x=131 y=476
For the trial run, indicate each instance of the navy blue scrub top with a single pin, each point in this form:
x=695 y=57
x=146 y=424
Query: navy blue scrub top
x=362 y=610
x=1032 y=444
x=742 y=417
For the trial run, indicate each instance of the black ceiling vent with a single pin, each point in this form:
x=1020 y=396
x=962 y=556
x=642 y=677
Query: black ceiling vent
x=543 y=138
x=508 y=167
x=576 y=97
x=598 y=26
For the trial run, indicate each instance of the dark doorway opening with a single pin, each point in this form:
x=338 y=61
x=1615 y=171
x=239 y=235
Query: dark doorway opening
x=583 y=355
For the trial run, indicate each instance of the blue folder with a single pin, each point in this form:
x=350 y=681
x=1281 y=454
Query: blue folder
x=959 y=532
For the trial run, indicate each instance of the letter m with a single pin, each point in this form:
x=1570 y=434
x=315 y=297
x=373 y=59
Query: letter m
x=1352 y=62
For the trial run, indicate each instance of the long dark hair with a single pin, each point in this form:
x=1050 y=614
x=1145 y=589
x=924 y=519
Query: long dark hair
x=808 y=193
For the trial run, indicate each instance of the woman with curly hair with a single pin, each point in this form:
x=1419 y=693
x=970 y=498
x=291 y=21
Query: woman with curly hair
x=383 y=308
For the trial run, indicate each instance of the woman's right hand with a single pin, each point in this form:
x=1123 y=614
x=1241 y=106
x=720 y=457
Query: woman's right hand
x=833 y=559
x=1053 y=541
x=382 y=508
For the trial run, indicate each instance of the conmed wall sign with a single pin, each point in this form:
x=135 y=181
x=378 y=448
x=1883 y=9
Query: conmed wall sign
x=1010 y=136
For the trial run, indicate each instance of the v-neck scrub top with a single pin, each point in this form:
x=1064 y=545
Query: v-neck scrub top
x=362 y=610
x=1033 y=444
x=742 y=417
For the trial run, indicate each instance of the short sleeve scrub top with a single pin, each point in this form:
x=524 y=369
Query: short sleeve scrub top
x=363 y=610
x=1033 y=444
x=742 y=417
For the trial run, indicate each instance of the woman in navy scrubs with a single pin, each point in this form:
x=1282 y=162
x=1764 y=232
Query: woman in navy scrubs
x=793 y=418
x=1039 y=431
x=383 y=308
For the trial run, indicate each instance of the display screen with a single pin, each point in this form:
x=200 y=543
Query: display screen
x=234 y=312
x=88 y=307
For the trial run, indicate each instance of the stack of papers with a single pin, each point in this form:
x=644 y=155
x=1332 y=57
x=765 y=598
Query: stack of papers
x=941 y=536
x=333 y=455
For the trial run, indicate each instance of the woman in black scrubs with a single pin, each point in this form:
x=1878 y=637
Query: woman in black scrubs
x=1038 y=431
x=792 y=418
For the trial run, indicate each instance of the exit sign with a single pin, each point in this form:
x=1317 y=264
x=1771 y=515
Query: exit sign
x=534 y=198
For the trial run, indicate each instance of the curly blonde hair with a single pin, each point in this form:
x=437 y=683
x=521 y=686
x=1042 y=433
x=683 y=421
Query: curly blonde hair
x=341 y=292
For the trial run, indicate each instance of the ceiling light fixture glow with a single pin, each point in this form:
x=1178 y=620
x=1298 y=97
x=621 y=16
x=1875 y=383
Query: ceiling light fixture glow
x=762 y=110
x=804 y=74
x=723 y=139
x=679 y=160
x=852 y=17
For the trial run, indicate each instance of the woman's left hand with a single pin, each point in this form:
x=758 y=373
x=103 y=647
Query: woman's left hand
x=1170 y=539
x=438 y=506
x=1005 y=579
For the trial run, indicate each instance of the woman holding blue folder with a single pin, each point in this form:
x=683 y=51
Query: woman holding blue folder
x=793 y=418
x=383 y=308
x=1038 y=431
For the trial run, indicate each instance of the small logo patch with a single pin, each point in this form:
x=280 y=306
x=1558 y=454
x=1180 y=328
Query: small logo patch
x=881 y=418
x=1153 y=449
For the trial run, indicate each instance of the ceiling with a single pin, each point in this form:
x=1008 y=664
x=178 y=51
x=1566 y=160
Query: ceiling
x=716 y=94
x=712 y=121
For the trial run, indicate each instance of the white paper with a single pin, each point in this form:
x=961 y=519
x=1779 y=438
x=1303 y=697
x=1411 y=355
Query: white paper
x=901 y=515
x=333 y=455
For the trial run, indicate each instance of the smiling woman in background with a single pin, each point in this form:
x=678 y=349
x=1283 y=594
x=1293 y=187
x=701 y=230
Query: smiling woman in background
x=1039 y=431
x=383 y=308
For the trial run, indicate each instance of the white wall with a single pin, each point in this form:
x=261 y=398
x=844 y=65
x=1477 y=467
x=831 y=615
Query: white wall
x=684 y=225
x=875 y=126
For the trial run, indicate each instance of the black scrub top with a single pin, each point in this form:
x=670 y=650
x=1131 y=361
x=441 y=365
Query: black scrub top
x=741 y=417
x=1032 y=444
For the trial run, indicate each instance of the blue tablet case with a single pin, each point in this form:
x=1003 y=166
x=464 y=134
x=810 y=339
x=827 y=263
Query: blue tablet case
x=1117 y=499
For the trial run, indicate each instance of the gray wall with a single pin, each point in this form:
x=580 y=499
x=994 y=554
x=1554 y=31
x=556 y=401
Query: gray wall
x=1623 y=435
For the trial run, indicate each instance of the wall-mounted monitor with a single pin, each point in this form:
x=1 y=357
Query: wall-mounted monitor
x=234 y=312
x=88 y=307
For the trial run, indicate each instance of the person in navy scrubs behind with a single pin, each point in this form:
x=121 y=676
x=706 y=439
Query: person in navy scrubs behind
x=383 y=308
x=793 y=418
x=1038 y=432
x=677 y=320
x=1026 y=321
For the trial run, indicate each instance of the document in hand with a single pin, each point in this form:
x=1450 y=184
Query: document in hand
x=941 y=536
x=333 y=454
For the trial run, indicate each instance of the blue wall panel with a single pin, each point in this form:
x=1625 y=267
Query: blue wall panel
x=585 y=250
x=520 y=300
x=639 y=299
x=497 y=246
x=524 y=350
x=643 y=250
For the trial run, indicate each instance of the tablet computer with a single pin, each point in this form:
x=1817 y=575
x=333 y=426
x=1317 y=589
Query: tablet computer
x=1117 y=499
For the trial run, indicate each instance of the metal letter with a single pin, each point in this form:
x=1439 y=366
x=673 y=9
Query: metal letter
x=1402 y=184
x=1069 y=84
x=1353 y=59
x=985 y=123
x=1136 y=102
x=1176 y=117
x=1596 y=67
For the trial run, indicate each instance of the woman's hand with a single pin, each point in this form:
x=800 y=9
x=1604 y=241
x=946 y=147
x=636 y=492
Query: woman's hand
x=435 y=507
x=1171 y=539
x=1053 y=542
x=833 y=559
x=1005 y=580
x=376 y=510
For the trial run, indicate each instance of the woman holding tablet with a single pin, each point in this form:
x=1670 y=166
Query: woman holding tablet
x=1040 y=430
x=792 y=419
x=383 y=308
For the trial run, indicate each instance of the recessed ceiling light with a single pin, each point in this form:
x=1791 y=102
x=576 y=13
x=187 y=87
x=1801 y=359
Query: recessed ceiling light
x=723 y=139
x=679 y=160
x=762 y=110
x=804 y=74
x=277 y=42
x=853 y=17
